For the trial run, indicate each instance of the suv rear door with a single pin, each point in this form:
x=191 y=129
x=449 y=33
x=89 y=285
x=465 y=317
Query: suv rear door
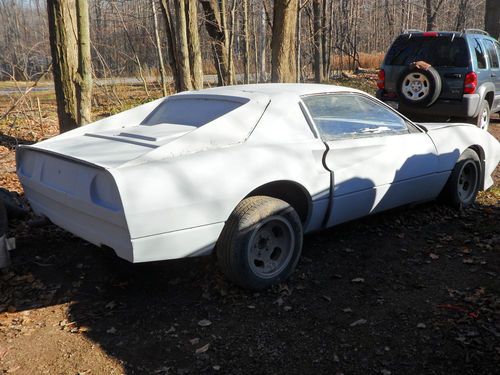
x=448 y=54
x=493 y=49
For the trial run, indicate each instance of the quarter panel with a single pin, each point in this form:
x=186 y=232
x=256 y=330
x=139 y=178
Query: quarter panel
x=204 y=188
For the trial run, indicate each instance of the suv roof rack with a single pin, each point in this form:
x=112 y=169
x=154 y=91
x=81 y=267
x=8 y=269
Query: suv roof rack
x=476 y=31
x=409 y=31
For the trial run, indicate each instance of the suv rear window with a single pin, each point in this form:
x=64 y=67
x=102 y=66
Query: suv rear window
x=437 y=51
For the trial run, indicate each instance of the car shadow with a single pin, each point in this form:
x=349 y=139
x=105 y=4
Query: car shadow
x=182 y=316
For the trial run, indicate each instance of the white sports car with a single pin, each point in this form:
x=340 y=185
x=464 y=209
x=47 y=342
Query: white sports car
x=245 y=171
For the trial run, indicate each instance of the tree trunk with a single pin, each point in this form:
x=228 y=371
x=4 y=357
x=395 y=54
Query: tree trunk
x=431 y=12
x=183 y=64
x=84 y=82
x=262 y=43
x=461 y=15
x=215 y=29
x=246 y=49
x=283 y=41
x=172 y=48
x=298 y=48
x=194 y=45
x=492 y=18
x=318 y=39
x=158 y=50
x=231 y=77
x=70 y=49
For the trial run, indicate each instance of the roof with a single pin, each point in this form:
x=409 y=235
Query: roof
x=271 y=90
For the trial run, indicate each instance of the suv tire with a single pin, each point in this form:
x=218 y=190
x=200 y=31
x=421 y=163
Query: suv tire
x=419 y=87
x=482 y=120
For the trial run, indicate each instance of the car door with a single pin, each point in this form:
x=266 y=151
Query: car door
x=378 y=159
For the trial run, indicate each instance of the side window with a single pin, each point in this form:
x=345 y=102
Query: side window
x=341 y=116
x=492 y=53
x=480 y=58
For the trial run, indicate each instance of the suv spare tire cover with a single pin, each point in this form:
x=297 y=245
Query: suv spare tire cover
x=419 y=87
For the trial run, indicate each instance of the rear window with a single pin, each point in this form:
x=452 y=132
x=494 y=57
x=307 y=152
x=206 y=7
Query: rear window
x=191 y=111
x=440 y=51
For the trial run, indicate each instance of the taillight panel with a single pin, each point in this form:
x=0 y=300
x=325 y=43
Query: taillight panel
x=381 y=79
x=470 y=83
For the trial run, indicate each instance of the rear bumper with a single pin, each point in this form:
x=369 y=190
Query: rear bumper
x=110 y=229
x=468 y=106
x=92 y=223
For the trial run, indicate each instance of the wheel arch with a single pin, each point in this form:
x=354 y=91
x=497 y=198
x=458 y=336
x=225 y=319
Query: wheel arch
x=486 y=92
x=289 y=191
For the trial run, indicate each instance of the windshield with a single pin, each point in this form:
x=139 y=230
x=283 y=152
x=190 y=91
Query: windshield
x=191 y=111
x=437 y=51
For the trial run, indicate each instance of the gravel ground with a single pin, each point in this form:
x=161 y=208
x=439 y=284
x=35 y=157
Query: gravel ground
x=411 y=291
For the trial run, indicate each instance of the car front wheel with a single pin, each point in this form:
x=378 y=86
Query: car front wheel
x=462 y=186
x=261 y=243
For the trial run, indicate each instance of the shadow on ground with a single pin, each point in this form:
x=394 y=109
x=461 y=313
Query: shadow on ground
x=412 y=291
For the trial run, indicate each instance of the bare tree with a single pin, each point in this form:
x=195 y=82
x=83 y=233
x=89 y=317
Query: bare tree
x=461 y=15
x=171 y=42
x=492 y=18
x=432 y=10
x=283 y=41
x=193 y=37
x=183 y=65
x=159 y=51
x=318 y=40
x=246 y=48
x=71 y=61
x=215 y=23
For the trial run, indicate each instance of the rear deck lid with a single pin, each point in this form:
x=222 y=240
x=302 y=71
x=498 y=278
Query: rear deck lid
x=200 y=121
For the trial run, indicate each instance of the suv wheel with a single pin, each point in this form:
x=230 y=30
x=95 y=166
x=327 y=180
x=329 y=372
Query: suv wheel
x=482 y=121
x=419 y=87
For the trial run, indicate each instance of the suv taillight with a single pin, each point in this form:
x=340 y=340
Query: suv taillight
x=470 y=83
x=381 y=79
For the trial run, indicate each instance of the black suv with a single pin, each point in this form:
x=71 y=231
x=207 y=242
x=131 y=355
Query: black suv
x=436 y=75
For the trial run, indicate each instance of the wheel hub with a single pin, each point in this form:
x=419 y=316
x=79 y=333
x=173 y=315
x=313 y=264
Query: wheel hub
x=271 y=247
x=467 y=181
x=415 y=86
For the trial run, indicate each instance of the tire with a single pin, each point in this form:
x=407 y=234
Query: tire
x=419 y=87
x=462 y=186
x=261 y=243
x=482 y=120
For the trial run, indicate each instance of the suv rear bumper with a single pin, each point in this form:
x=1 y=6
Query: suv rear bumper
x=467 y=107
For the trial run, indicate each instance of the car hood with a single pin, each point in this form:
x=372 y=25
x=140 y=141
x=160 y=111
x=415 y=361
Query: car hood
x=121 y=140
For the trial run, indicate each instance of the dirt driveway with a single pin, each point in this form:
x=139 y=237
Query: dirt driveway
x=411 y=291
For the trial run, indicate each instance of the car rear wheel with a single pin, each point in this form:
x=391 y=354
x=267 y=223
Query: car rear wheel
x=482 y=121
x=463 y=184
x=261 y=243
x=419 y=87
